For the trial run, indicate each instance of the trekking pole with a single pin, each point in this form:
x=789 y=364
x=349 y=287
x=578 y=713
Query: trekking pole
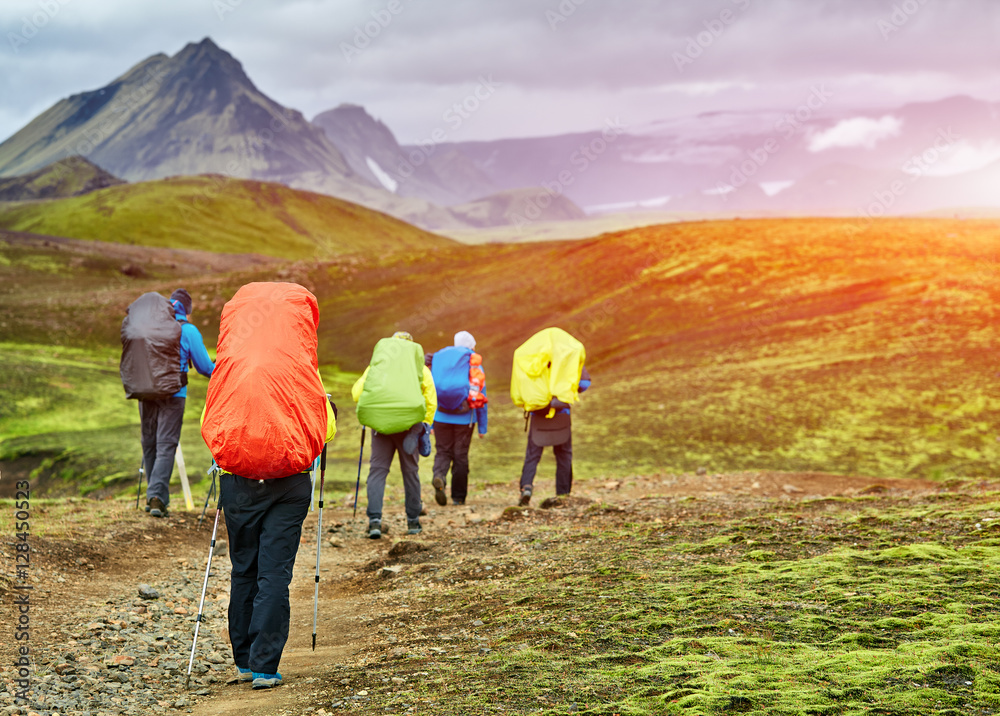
x=204 y=588
x=138 y=490
x=211 y=491
x=319 y=541
x=358 y=486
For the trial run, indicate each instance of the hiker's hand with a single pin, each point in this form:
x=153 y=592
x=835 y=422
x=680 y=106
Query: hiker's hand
x=482 y=435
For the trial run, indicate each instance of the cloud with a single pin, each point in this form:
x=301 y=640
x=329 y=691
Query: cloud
x=856 y=132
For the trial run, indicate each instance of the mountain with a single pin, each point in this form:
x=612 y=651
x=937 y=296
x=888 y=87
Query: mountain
x=371 y=151
x=67 y=177
x=518 y=207
x=786 y=161
x=193 y=113
x=216 y=213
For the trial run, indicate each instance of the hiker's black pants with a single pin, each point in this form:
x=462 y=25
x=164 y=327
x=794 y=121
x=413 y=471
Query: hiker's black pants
x=160 y=430
x=564 y=465
x=264 y=522
x=451 y=443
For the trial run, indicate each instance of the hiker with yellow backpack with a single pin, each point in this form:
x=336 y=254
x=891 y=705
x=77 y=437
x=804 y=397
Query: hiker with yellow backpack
x=397 y=400
x=547 y=378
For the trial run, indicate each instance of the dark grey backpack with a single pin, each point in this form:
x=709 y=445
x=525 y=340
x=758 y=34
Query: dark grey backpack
x=151 y=349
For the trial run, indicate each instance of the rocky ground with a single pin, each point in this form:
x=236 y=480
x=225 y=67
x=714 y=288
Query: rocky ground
x=113 y=607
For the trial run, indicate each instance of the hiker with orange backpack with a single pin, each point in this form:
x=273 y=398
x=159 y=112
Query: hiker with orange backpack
x=460 y=382
x=158 y=346
x=397 y=400
x=267 y=418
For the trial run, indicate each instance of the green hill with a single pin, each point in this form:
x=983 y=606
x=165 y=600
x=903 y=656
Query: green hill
x=219 y=214
x=807 y=344
x=66 y=177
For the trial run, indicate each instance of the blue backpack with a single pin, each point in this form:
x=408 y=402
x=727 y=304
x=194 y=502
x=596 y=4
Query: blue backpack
x=450 y=370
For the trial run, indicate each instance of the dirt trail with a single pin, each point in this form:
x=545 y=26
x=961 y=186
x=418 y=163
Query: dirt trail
x=117 y=562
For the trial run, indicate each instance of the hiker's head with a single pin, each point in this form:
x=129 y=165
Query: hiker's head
x=464 y=339
x=403 y=335
x=182 y=297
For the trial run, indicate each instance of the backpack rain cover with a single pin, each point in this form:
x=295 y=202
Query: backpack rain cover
x=548 y=365
x=150 y=365
x=266 y=410
x=450 y=370
x=391 y=400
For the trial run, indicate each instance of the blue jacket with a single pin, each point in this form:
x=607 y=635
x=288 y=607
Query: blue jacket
x=477 y=416
x=193 y=351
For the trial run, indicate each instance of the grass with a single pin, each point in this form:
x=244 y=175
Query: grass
x=851 y=606
x=219 y=214
x=806 y=344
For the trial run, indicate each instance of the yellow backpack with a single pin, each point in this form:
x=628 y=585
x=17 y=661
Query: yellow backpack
x=546 y=366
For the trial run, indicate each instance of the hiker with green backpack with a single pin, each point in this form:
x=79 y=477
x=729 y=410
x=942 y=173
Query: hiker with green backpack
x=397 y=400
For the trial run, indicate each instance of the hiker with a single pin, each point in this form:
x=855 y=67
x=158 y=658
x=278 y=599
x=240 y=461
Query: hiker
x=460 y=383
x=266 y=420
x=547 y=378
x=148 y=339
x=397 y=400
x=540 y=434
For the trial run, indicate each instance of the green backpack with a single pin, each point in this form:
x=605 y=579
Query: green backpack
x=392 y=400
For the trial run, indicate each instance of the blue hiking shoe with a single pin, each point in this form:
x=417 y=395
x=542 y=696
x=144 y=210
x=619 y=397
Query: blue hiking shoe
x=266 y=681
x=425 y=441
x=243 y=674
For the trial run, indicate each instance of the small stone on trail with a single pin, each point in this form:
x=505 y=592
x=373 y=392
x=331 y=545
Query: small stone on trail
x=791 y=489
x=478 y=622
x=701 y=471
x=221 y=547
x=147 y=592
x=391 y=571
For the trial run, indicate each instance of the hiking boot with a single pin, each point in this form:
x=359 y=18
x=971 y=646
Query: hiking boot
x=413 y=526
x=266 y=681
x=425 y=441
x=243 y=674
x=157 y=508
x=458 y=500
x=374 y=529
x=525 y=496
x=439 y=496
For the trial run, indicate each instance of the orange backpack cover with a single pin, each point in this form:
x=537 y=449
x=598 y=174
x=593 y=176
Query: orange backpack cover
x=266 y=412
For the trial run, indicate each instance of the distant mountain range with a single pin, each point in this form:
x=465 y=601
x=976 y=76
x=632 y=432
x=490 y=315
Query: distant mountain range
x=197 y=112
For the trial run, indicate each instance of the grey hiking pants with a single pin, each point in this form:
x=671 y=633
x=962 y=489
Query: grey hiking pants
x=383 y=448
x=161 y=422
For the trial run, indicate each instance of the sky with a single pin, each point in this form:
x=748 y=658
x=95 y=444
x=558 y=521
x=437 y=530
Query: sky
x=490 y=69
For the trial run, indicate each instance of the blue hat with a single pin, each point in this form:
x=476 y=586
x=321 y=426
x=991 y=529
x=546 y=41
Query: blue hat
x=184 y=298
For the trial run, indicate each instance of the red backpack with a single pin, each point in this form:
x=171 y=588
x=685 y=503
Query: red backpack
x=266 y=410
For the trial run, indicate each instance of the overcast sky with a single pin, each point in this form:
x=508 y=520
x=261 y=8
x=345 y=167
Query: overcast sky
x=533 y=67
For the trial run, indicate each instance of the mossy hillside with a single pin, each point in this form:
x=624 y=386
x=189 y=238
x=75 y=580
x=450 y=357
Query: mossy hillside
x=870 y=605
x=787 y=345
x=66 y=425
x=219 y=214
